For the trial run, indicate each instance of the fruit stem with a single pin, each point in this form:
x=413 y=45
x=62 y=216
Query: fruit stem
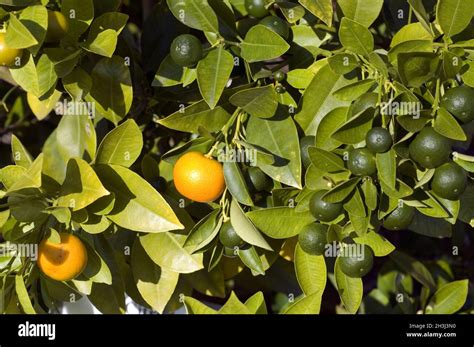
x=5 y=97
x=436 y=101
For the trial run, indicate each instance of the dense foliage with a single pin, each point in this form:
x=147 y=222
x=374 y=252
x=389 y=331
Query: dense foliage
x=247 y=155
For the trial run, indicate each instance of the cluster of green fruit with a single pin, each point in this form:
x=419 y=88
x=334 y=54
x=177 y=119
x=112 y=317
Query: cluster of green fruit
x=313 y=240
x=58 y=27
x=428 y=149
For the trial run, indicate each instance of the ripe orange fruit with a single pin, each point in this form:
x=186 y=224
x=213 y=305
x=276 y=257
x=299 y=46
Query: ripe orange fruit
x=62 y=261
x=198 y=177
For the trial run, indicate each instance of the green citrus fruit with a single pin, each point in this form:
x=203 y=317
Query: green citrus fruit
x=460 y=102
x=277 y=25
x=280 y=89
x=430 y=149
x=378 y=140
x=229 y=237
x=7 y=54
x=313 y=238
x=279 y=76
x=186 y=50
x=306 y=142
x=230 y=252
x=449 y=181
x=257 y=180
x=400 y=218
x=322 y=210
x=361 y=162
x=357 y=265
x=58 y=26
x=256 y=8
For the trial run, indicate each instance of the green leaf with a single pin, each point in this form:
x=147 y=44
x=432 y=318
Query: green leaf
x=355 y=37
x=169 y=73
x=156 y=285
x=122 y=146
x=350 y=289
x=196 y=14
x=193 y=306
x=256 y=304
x=292 y=12
x=97 y=270
x=204 y=231
x=138 y=206
x=454 y=15
x=47 y=76
x=354 y=130
x=299 y=78
x=417 y=68
x=78 y=84
x=307 y=305
x=166 y=250
x=420 y=13
x=112 y=89
x=84 y=14
x=449 y=299
x=364 y=12
x=379 y=244
x=213 y=73
x=25 y=75
x=387 y=167
x=354 y=90
x=197 y=115
x=429 y=226
x=35 y=19
x=103 y=34
x=18 y=35
x=370 y=193
x=262 y=44
x=414 y=268
x=259 y=102
x=31 y=178
x=23 y=296
x=341 y=191
x=466 y=212
x=356 y=208
x=234 y=306
x=326 y=161
x=76 y=137
x=20 y=154
x=280 y=138
x=244 y=227
x=235 y=183
x=210 y=282
x=42 y=108
x=310 y=271
x=320 y=8
x=318 y=99
x=81 y=187
x=328 y=125
x=280 y=222
x=448 y=126
x=343 y=63
x=251 y=259
x=411 y=32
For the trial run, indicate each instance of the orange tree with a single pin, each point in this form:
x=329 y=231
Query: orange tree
x=250 y=155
